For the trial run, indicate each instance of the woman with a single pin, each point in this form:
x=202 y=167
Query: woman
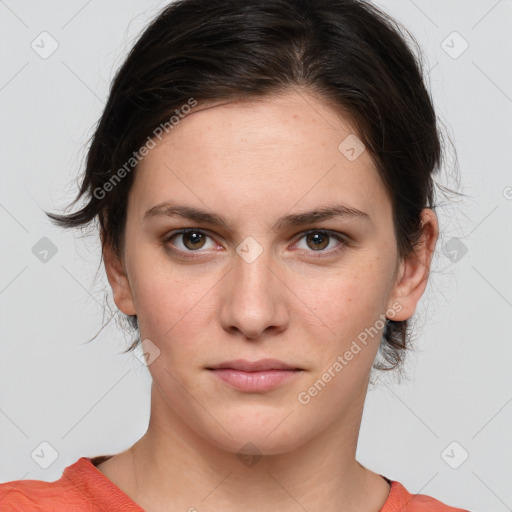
x=262 y=176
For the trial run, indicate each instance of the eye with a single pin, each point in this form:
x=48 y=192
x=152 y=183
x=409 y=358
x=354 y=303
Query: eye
x=318 y=241
x=192 y=240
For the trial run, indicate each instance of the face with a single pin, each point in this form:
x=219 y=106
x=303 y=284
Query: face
x=290 y=255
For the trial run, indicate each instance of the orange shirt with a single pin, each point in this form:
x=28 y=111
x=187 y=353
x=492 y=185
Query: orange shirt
x=84 y=488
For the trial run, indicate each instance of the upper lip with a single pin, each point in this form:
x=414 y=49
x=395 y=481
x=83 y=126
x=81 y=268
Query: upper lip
x=254 y=366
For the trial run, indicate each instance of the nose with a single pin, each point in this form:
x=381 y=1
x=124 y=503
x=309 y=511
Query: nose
x=254 y=300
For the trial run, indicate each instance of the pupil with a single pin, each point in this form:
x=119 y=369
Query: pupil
x=319 y=240
x=195 y=238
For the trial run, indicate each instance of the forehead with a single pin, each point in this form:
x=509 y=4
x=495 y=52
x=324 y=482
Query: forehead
x=272 y=153
x=271 y=123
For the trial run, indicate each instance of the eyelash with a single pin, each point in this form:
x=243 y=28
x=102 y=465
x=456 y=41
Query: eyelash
x=321 y=253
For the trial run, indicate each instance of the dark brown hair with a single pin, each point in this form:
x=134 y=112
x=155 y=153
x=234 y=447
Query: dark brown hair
x=347 y=52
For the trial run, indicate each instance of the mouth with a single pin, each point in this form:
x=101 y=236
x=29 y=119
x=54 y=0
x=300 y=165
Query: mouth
x=254 y=376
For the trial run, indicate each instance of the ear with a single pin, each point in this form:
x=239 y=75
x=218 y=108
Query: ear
x=414 y=270
x=118 y=279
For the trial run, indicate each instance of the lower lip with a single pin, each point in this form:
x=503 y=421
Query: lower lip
x=254 y=381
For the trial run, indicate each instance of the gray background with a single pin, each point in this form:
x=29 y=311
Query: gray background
x=86 y=399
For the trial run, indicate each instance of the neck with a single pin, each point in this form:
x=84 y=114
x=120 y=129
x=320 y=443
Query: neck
x=171 y=464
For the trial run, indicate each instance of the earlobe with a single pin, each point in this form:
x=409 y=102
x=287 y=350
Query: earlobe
x=118 y=281
x=414 y=270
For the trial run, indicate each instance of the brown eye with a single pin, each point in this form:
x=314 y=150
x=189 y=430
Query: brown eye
x=317 y=240
x=322 y=243
x=193 y=240
x=189 y=240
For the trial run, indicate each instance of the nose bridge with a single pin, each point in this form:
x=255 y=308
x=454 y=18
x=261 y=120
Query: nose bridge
x=253 y=268
x=254 y=300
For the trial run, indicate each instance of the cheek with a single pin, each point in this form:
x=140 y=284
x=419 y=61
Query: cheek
x=348 y=301
x=169 y=299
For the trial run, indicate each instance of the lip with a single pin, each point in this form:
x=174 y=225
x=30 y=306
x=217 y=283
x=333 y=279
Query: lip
x=254 y=366
x=254 y=376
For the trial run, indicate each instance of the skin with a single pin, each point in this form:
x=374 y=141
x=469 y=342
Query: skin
x=254 y=162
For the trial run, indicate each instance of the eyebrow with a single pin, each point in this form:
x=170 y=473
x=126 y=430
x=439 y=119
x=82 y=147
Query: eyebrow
x=169 y=209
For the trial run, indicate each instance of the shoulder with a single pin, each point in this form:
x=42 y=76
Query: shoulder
x=37 y=495
x=400 y=499
x=81 y=488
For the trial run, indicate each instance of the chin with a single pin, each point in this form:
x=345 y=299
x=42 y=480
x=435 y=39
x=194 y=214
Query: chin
x=258 y=433
x=248 y=443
